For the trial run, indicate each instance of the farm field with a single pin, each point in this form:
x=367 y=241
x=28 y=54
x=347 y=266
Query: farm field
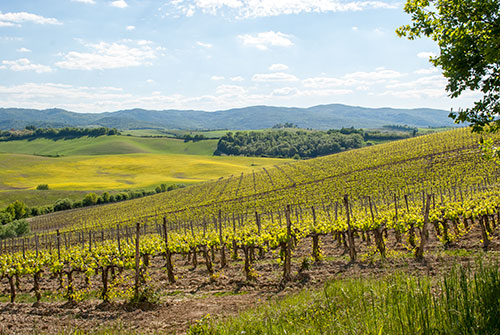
x=75 y=167
x=108 y=172
x=418 y=206
x=107 y=145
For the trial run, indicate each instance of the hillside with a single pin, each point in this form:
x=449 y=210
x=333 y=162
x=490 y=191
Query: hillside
x=107 y=145
x=255 y=117
x=436 y=161
x=424 y=206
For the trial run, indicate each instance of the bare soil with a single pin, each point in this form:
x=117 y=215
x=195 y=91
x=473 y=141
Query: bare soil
x=195 y=295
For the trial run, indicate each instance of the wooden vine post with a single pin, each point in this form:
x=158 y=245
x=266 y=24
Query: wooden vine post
x=397 y=233
x=168 y=254
x=350 y=233
x=287 y=264
x=316 y=251
x=223 y=262
x=411 y=237
x=235 y=246
x=419 y=253
x=379 y=237
x=137 y=260
x=484 y=232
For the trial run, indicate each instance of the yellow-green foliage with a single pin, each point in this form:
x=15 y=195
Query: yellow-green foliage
x=118 y=171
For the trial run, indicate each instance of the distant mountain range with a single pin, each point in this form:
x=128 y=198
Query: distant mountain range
x=255 y=117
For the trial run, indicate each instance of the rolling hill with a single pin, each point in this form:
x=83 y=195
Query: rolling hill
x=255 y=117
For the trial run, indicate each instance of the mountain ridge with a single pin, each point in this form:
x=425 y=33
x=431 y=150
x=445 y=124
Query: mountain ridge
x=252 y=117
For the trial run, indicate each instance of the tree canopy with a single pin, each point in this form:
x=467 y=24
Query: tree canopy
x=468 y=35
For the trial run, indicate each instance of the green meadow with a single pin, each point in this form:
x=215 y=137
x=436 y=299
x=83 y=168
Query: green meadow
x=108 y=145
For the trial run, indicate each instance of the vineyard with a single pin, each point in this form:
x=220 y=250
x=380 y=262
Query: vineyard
x=436 y=185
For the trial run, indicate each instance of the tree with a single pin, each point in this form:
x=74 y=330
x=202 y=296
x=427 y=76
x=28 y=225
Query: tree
x=468 y=35
x=90 y=199
x=17 y=209
x=63 y=204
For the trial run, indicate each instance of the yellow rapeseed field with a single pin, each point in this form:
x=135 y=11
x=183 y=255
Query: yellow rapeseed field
x=108 y=172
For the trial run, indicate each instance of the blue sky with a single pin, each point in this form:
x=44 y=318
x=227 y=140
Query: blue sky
x=106 y=55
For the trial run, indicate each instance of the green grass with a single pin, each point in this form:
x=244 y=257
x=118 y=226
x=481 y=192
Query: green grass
x=463 y=301
x=108 y=145
x=39 y=198
x=425 y=131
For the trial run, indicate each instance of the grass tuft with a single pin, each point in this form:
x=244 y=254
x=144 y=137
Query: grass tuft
x=464 y=301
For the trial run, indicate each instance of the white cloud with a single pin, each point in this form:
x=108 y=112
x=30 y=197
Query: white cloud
x=274 y=77
x=216 y=78
x=355 y=28
x=325 y=93
x=285 y=91
x=23 y=50
x=119 y=4
x=426 y=54
x=436 y=81
x=48 y=95
x=322 y=82
x=265 y=8
x=204 y=45
x=90 y=2
x=24 y=64
x=237 y=78
x=150 y=81
x=427 y=71
x=378 y=74
x=16 y=19
x=130 y=28
x=6 y=24
x=230 y=90
x=264 y=40
x=278 y=67
x=355 y=79
x=103 y=55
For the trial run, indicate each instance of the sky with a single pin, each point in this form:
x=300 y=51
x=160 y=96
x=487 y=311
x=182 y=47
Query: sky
x=106 y=55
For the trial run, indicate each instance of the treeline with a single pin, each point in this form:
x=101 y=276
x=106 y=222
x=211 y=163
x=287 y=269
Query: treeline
x=287 y=144
x=389 y=133
x=31 y=132
x=301 y=144
x=12 y=221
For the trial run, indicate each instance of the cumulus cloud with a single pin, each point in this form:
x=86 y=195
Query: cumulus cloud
x=265 y=8
x=216 y=78
x=23 y=50
x=285 y=91
x=24 y=64
x=264 y=40
x=119 y=4
x=426 y=54
x=355 y=79
x=230 y=90
x=103 y=55
x=278 y=67
x=274 y=77
x=16 y=19
x=204 y=45
x=427 y=71
x=130 y=28
x=378 y=74
x=237 y=78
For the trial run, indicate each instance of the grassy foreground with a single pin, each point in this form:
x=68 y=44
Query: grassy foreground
x=464 y=301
